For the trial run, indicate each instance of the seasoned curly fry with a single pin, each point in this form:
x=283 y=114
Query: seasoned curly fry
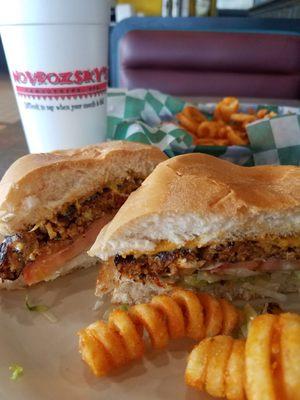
x=209 y=129
x=266 y=366
x=235 y=137
x=187 y=122
x=235 y=377
x=273 y=345
x=242 y=118
x=271 y=114
x=210 y=363
x=227 y=128
x=226 y=107
x=258 y=356
x=262 y=113
x=289 y=326
x=182 y=313
x=194 y=114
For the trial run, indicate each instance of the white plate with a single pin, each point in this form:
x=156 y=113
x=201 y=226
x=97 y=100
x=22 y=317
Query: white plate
x=48 y=352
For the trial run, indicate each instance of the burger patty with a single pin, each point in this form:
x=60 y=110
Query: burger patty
x=171 y=263
x=51 y=235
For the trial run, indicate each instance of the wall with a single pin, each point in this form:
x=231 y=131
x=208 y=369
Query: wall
x=148 y=7
x=277 y=9
x=235 y=4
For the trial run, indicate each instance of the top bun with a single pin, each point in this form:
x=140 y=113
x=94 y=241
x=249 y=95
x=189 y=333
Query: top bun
x=200 y=199
x=37 y=185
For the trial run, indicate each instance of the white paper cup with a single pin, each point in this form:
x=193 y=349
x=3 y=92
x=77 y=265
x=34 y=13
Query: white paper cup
x=56 y=52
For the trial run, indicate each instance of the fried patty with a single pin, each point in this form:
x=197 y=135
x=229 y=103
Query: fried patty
x=51 y=235
x=171 y=263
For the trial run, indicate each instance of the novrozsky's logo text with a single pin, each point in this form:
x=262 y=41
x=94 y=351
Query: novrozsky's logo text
x=70 y=84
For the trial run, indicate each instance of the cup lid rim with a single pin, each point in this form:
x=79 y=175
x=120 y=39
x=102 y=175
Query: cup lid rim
x=54 y=12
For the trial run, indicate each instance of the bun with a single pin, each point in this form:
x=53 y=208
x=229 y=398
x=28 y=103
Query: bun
x=203 y=199
x=124 y=290
x=37 y=185
x=80 y=262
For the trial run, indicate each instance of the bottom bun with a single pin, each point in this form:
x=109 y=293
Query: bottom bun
x=81 y=261
x=128 y=292
x=125 y=290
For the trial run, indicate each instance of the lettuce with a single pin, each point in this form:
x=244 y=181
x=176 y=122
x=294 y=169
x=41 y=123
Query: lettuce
x=249 y=313
x=42 y=309
x=16 y=371
x=271 y=285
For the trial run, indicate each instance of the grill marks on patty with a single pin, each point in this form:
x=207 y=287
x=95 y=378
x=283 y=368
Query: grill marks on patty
x=52 y=235
x=178 y=262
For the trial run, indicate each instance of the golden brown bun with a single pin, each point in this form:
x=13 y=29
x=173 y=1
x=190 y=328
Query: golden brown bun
x=200 y=198
x=36 y=185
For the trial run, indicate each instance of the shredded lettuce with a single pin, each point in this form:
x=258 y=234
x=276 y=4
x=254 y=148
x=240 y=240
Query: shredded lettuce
x=200 y=279
x=41 y=308
x=249 y=314
x=37 y=308
x=124 y=307
x=264 y=290
x=272 y=287
x=16 y=371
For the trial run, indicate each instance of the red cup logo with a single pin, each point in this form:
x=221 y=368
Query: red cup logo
x=61 y=85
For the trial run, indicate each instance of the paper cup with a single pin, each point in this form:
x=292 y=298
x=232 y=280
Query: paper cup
x=57 y=57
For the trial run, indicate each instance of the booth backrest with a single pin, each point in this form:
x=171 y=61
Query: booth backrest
x=211 y=63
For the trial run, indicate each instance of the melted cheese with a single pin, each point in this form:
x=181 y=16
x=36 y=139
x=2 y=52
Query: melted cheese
x=288 y=242
x=265 y=242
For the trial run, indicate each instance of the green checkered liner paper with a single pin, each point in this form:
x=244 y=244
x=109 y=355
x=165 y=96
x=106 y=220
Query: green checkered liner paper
x=276 y=141
x=147 y=116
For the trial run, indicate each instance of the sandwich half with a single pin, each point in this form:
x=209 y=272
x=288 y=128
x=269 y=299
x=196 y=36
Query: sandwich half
x=203 y=223
x=53 y=205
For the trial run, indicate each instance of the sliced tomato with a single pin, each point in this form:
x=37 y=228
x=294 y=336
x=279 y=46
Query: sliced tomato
x=224 y=267
x=269 y=265
x=46 y=265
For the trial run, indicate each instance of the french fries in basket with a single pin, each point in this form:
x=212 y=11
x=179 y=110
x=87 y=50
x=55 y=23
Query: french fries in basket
x=265 y=366
x=182 y=313
x=228 y=126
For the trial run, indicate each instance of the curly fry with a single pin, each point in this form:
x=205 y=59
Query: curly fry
x=209 y=364
x=228 y=126
x=258 y=355
x=265 y=366
x=225 y=108
x=242 y=118
x=235 y=377
x=174 y=317
x=188 y=123
x=289 y=356
x=194 y=114
x=182 y=313
x=271 y=114
x=209 y=129
x=192 y=309
x=235 y=137
x=262 y=113
x=251 y=111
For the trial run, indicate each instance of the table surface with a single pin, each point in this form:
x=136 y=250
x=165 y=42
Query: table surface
x=12 y=139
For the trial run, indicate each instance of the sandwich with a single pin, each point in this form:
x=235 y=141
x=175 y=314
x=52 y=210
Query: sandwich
x=203 y=223
x=53 y=205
